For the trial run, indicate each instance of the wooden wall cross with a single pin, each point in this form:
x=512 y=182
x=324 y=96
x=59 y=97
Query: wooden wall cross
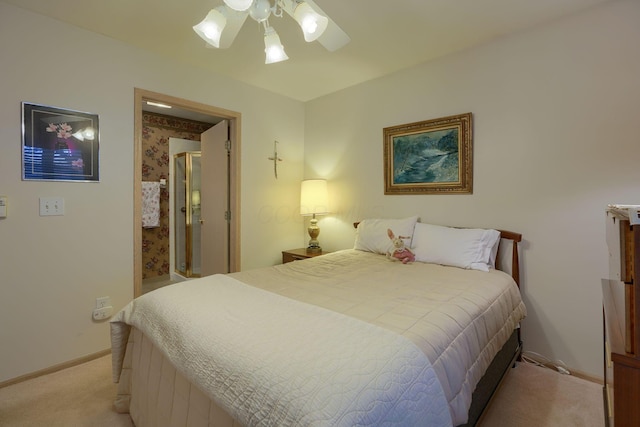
x=275 y=159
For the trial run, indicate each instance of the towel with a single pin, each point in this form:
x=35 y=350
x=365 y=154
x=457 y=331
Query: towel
x=150 y=204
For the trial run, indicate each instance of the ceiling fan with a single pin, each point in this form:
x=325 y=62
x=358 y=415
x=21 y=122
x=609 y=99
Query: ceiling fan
x=222 y=24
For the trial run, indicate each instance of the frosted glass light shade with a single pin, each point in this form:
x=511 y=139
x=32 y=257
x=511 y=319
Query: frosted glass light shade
x=210 y=28
x=313 y=197
x=273 y=48
x=312 y=23
x=239 y=5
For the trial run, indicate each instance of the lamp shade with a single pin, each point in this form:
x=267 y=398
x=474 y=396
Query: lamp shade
x=210 y=28
x=313 y=197
x=312 y=23
x=239 y=5
x=272 y=47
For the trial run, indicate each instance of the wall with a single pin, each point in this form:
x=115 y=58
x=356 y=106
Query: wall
x=53 y=268
x=555 y=140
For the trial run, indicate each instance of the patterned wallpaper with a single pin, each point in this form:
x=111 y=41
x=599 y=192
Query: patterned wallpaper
x=156 y=131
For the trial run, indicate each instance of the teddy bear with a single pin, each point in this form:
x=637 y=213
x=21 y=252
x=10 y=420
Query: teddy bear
x=398 y=250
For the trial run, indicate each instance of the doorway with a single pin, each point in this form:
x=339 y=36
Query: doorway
x=232 y=218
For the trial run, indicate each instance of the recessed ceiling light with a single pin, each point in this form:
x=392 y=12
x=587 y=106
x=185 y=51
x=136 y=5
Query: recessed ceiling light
x=158 y=104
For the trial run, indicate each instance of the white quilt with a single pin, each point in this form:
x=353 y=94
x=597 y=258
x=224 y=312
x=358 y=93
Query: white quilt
x=269 y=360
x=459 y=318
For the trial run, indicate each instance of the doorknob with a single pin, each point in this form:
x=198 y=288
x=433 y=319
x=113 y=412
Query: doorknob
x=201 y=221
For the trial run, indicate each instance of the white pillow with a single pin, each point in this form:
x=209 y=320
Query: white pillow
x=458 y=247
x=371 y=234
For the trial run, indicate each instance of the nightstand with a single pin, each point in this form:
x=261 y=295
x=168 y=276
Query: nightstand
x=298 y=254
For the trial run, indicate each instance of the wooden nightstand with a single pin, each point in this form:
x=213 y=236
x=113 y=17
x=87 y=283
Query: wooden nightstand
x=298 y=254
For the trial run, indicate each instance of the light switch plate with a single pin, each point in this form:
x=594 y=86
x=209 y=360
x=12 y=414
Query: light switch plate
x=51 y=206
x=3 y=206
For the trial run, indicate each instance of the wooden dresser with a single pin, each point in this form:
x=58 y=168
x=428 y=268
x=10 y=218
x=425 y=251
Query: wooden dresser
x=621 y=309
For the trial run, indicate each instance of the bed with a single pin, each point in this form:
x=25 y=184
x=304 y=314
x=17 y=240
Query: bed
x=347 y=338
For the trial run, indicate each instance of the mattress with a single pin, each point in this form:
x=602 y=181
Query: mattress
x=459 y=319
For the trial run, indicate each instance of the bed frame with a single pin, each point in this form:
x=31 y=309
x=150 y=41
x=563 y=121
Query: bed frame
x=510 y=352
x=507 y=356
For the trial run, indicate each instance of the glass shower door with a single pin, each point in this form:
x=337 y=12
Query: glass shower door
x=187 y=213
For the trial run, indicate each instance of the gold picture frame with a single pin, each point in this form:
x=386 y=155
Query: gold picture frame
x=429 y=157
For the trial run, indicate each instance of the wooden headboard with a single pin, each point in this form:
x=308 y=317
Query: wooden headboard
x=515 y=260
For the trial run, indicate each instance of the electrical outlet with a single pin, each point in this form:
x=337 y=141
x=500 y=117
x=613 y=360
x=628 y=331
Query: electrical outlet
x=51 y=206
x=103 y=302
x=102 y=313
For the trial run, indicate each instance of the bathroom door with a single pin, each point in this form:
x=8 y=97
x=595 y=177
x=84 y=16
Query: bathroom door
x=214 y=203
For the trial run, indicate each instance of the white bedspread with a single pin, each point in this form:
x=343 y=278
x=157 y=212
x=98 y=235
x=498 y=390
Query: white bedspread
x=459 y=318
x=269 y=360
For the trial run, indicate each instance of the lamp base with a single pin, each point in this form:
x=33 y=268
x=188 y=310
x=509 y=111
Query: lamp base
x=314 y=231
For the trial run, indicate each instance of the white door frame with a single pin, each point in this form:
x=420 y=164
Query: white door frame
x=234 y=118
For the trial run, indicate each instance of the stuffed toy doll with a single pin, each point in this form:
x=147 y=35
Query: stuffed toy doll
x=398 y=250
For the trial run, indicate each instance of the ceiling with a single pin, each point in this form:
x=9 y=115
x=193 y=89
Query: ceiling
x=386 y=36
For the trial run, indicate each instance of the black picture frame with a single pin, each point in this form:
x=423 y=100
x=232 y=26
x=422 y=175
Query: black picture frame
x=59 y=144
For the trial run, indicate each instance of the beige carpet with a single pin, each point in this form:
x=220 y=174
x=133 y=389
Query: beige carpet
x=531 y=396
x=81 y=397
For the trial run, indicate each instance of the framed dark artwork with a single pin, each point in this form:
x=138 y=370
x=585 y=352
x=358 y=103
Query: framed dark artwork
x=429 y=157
x=59 y=144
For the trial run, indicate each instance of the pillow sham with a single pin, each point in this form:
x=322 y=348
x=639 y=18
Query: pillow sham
x=469 y=248
x=371 y=234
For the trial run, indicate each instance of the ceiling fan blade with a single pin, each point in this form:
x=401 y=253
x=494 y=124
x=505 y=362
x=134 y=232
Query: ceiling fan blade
x=235 y=20
x=333 y=37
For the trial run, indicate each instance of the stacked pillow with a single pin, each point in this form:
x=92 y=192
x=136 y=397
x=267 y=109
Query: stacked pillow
x=459 y=247
x=371 y=234
x=469 y=248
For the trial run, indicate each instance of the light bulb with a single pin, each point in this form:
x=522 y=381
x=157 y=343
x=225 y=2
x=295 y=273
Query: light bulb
x=312 y=23
x=309 y=24
x=211 y=31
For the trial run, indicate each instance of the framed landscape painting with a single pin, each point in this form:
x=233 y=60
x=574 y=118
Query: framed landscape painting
x=59 y=144
x=429 y=157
